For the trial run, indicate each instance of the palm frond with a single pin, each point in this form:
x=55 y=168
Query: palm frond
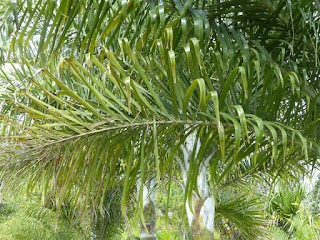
x=115 y=95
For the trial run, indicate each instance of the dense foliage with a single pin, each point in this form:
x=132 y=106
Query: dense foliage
x=100 y=93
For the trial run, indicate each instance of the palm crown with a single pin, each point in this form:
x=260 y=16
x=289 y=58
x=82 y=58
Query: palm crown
x=99 y=92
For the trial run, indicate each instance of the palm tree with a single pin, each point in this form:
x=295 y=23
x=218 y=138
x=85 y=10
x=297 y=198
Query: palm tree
x=100 y=92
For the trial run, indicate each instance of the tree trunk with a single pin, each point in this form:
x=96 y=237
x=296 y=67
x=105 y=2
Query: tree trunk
x=148 y=232
x=201 y=217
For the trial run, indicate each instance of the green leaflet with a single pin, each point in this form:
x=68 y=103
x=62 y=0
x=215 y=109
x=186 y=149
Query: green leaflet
x=198 y=82
x=231 y=79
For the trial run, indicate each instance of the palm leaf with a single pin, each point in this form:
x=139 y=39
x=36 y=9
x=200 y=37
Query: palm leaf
x=107 y=93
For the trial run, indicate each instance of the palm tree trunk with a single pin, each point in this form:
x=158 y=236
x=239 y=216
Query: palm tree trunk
x=201 y=217
x=148 y=232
